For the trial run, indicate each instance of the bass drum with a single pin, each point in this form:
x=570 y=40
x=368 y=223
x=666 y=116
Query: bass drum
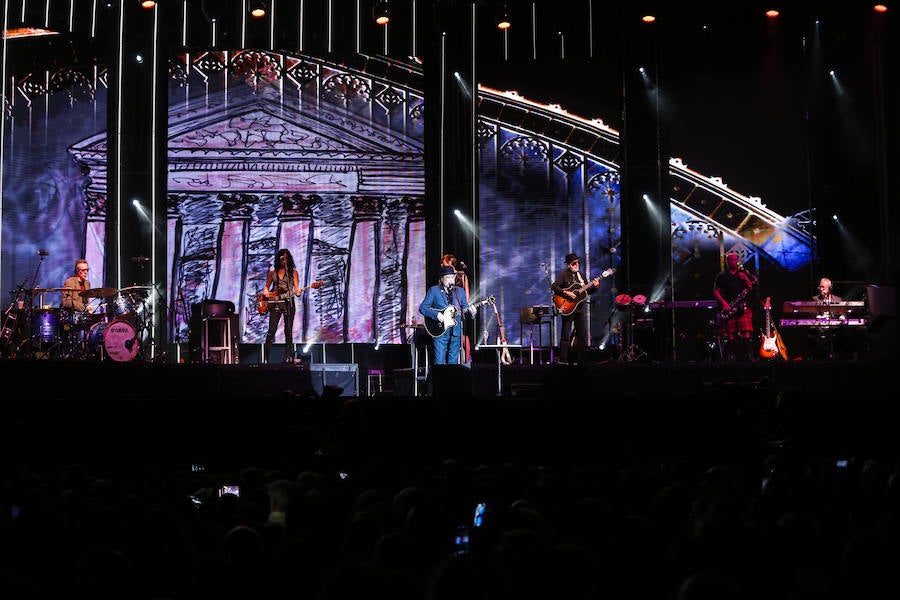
x=118 y=338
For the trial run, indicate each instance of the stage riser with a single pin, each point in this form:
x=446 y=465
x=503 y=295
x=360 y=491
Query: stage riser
x=220 y=414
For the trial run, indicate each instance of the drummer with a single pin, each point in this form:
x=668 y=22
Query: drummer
x=77 y=283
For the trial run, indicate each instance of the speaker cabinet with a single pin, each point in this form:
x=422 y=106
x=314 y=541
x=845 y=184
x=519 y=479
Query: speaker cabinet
x=450 y=381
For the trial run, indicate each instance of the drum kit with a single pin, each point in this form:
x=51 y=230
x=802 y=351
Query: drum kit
x=115 y=328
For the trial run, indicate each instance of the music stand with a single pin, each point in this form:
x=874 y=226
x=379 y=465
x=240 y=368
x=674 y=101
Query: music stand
x=531 y=316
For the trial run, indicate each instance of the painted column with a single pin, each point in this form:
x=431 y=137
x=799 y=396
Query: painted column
x=361 y=299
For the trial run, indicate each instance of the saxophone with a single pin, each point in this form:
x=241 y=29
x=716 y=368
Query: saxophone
x=737 y=305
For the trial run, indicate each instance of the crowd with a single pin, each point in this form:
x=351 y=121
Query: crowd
x=334 y=521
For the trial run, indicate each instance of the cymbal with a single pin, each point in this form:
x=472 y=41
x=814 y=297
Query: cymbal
x=102 y=292
x=44 y=290
x=137 y=288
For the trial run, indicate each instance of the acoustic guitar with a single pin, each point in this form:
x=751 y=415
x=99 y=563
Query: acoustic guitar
x=262 y=303
x=772 y=344
x=566 y=306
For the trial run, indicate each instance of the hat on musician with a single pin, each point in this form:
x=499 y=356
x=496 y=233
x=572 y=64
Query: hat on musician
x=571 y=257
x=447 y=270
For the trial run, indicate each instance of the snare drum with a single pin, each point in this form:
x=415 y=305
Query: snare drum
x=45 y=325
x=76 y=319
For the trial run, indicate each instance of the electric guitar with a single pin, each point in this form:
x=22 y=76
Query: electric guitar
x=567 y=306
x=772 y=344
x=262 y=303
x=436 y=328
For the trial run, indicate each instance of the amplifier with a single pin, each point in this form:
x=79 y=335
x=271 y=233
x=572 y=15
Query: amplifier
x=345 y=376
x=212 y=308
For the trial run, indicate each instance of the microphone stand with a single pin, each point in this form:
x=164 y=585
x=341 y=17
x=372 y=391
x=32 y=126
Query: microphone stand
x=553 y=310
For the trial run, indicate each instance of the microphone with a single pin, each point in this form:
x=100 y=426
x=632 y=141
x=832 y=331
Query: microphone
x=462 y=265
x=43 y=253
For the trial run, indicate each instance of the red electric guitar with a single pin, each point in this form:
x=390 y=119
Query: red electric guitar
x=772 y=344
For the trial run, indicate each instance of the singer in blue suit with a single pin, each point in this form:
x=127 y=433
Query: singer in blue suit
x=443 y=322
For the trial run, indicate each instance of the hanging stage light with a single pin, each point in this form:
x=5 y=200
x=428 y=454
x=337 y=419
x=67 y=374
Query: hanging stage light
x=381 y=12
x=258 y=9
x=503 y=23
x=148 y=4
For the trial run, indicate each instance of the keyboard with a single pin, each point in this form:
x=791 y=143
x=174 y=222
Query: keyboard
x=823 y=322
x=685 y=304
x=811 y=306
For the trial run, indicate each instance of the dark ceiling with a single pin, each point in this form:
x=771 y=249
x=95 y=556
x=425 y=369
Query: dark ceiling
x=689 y=35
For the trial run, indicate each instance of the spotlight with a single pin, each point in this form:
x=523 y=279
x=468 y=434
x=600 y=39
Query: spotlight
x=648 y=18
x=882 y=8
x=258 y=9
x=148 y=4
x=772 y=13
x=139 y=58
x=503 y=22
x=381 y=12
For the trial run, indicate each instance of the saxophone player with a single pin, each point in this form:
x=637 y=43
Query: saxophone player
x=735 y=324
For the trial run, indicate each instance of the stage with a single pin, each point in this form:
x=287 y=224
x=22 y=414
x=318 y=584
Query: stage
x=184 y=413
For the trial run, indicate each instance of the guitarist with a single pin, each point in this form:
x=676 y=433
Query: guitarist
x=434 y=309
x=574 y=325
x=282 y=285
x=731 y=288
x=462 y=281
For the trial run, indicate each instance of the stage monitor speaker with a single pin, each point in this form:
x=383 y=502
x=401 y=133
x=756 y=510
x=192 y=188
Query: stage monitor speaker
x=345 y=376
x=450 y=381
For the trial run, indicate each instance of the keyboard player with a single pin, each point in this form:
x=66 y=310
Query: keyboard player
x=823 y=338
x=825 y=296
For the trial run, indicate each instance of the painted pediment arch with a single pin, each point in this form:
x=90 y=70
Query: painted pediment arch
x=259 y=159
